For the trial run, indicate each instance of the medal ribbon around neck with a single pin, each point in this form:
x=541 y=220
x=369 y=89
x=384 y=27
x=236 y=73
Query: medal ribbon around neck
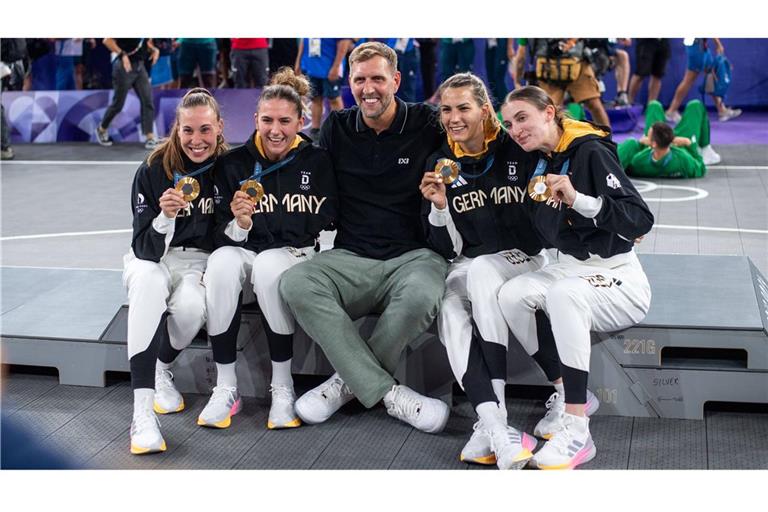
x=252 y=185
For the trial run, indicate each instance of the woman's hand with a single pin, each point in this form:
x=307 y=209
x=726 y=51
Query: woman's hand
x=433 y=189
x=562 y=189
x=171 y=202
x=242 y=208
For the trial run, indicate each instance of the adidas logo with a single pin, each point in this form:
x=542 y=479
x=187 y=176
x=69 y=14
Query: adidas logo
x=460 y=181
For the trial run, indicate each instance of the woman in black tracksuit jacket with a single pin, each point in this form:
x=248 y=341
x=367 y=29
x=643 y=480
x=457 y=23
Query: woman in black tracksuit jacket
x=589 y=213
x=258 y=241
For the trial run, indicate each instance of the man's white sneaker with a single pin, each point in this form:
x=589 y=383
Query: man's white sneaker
x=319 y=404
x=167 y=398
x=728 y=114
x=553 y=419
x=569 y=447
x=478 y=448
x=281 y=413
x=673 y=117
x=512 y=448
x=426 y=414
x=224 y=403
x=709 y=156
x=145 y=434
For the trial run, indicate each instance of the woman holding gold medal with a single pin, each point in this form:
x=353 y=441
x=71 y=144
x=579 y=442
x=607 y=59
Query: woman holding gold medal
x=479 y=219
x=586 y=208
x=172 y=198
x=275 y=194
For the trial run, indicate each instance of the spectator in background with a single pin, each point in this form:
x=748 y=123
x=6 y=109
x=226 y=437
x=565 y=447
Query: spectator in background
x=42 y=65
x=456 y=56
x=69 y=65
x=651 y=58
x=604 y=55
x=496 y=63
x=13 y=53
x=427 y=50
x=250 y=62
x=407 y=64
x=225 y=78
x=699 y=59
x=98 y=66
x=322 y=60
x=519 y=69
x=561 y=67
x=662 y=152
x=128 y=72
x=161 y=75
x=197 y=54
x=282 y=52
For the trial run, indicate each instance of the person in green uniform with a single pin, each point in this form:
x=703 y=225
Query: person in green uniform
x=662 y=152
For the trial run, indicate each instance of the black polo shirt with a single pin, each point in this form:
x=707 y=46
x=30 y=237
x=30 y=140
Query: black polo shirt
x=378 y=178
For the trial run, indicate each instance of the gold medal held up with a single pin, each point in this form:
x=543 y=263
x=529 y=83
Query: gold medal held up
x=254 y=190
x=447 y=169
x=538 y=189
x=189 y=187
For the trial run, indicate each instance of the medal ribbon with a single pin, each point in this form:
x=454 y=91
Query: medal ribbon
x=258 y=173
x=541 y=166
x=177 y=175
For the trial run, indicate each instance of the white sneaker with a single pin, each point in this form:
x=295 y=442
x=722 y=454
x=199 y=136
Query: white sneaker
x=145 y=434
x=673 y=117
x=728 y=114
x=709 y=156
x=319 y=404
x=478 y=448
x=553 y=419
x=167 y=398
x=512 y=448
x=569 y=447
x=224 y=403
x=281 y=413
x=426 y=414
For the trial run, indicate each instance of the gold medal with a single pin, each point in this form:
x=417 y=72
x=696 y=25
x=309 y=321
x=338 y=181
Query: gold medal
x=254 y=189
x=538 y=189
x=447 y=169
x=189 y=187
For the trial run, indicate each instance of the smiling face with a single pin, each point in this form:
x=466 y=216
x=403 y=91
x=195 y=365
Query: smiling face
x=198 y=131
x=463 y=118
x=374 y=84
x=530 y=127
x=278 y=123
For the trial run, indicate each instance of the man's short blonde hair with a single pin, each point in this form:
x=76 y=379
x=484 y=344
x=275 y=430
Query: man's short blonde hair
x=372 y=49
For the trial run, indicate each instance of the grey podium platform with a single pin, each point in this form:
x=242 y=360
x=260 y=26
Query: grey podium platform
x=704 y=339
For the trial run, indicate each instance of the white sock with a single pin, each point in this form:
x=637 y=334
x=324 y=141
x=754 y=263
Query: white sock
x=560 y=389
x=225 y=375
x=281 y=374
x=143 y=401
x=498 y=390
x=163 y=366
x=491 y=414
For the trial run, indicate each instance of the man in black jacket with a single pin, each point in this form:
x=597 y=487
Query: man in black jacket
x=381 y=263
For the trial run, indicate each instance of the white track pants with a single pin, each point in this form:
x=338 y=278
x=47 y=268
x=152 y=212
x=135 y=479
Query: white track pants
x=578 y=298
x=175 y=285
x=228 y=270
x=471 y=290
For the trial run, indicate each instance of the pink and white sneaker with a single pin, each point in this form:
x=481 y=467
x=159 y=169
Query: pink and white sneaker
x=569 y=447
x=224 y=403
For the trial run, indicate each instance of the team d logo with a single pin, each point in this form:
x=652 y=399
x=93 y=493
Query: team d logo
x=512 y=171
x=612 y=181
x=304 y=180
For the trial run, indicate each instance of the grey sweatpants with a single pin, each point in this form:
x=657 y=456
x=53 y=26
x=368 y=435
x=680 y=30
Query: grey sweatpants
x=337 y=287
